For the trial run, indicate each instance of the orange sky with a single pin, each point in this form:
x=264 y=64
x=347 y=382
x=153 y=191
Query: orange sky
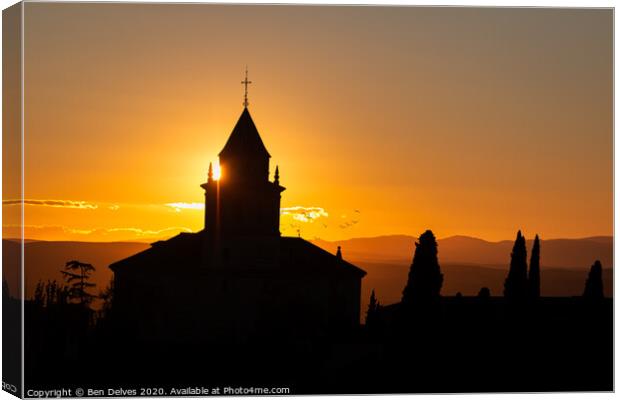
x=465 y=121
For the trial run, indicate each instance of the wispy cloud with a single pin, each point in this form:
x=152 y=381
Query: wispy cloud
x=298 y=213
x=60 y=232
x=52 y=203
x=304 y=214
x=185 y=206
x=144 y=232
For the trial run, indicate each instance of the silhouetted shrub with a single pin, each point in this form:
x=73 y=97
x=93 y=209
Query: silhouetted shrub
x=594 y=283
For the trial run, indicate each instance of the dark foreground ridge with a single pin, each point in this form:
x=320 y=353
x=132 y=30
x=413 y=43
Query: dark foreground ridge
x=465 y=344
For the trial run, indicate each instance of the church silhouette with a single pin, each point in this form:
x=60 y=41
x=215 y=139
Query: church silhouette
x=238 y=279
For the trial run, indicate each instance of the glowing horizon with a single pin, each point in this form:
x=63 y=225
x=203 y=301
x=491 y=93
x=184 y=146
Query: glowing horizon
x=466 y=121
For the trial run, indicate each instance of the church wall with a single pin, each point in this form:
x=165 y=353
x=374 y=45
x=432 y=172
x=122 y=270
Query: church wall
x=203 y=307
x=344 y=295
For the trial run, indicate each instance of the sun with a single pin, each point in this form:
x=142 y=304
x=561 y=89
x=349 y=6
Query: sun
x=217 y=171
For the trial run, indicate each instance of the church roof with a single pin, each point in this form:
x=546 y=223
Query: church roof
x=183 y=249
x=302 y=255
x=245 y=139
x=298 y=256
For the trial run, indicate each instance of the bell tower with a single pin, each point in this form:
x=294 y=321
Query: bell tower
x=243 y=201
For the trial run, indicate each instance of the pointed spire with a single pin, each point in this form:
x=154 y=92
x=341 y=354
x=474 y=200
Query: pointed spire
x=276 y=178
x=244 y=140
x=210 y=173
x=339 y=253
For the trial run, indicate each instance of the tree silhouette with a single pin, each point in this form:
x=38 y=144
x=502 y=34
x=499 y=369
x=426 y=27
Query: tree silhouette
x=57 y=294
x=39 y=294
x=484 y=293
x=594 y=283
x=372 y=308
x=515 y=286
x=534 y=273
x=48 y=294
x=5 y=289
x=425 y=277
x=77 y=275
x=51 y=293
x=107 y=295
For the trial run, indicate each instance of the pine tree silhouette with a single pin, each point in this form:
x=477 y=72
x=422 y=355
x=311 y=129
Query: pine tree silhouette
x=77 y=275
x=515 y=286
x=534 y=273
x=594 y=283
x=425 y=277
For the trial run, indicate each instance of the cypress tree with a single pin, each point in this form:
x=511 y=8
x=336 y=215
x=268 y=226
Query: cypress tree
x=515 y=286
x=372 y=309
x=425 y=277
x=534 y=274
x=594 y=283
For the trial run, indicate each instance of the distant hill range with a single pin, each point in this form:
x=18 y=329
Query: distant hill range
x=467 y=263
x=566 y=253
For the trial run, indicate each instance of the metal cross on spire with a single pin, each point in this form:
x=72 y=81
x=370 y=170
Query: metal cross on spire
x=245 y=82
